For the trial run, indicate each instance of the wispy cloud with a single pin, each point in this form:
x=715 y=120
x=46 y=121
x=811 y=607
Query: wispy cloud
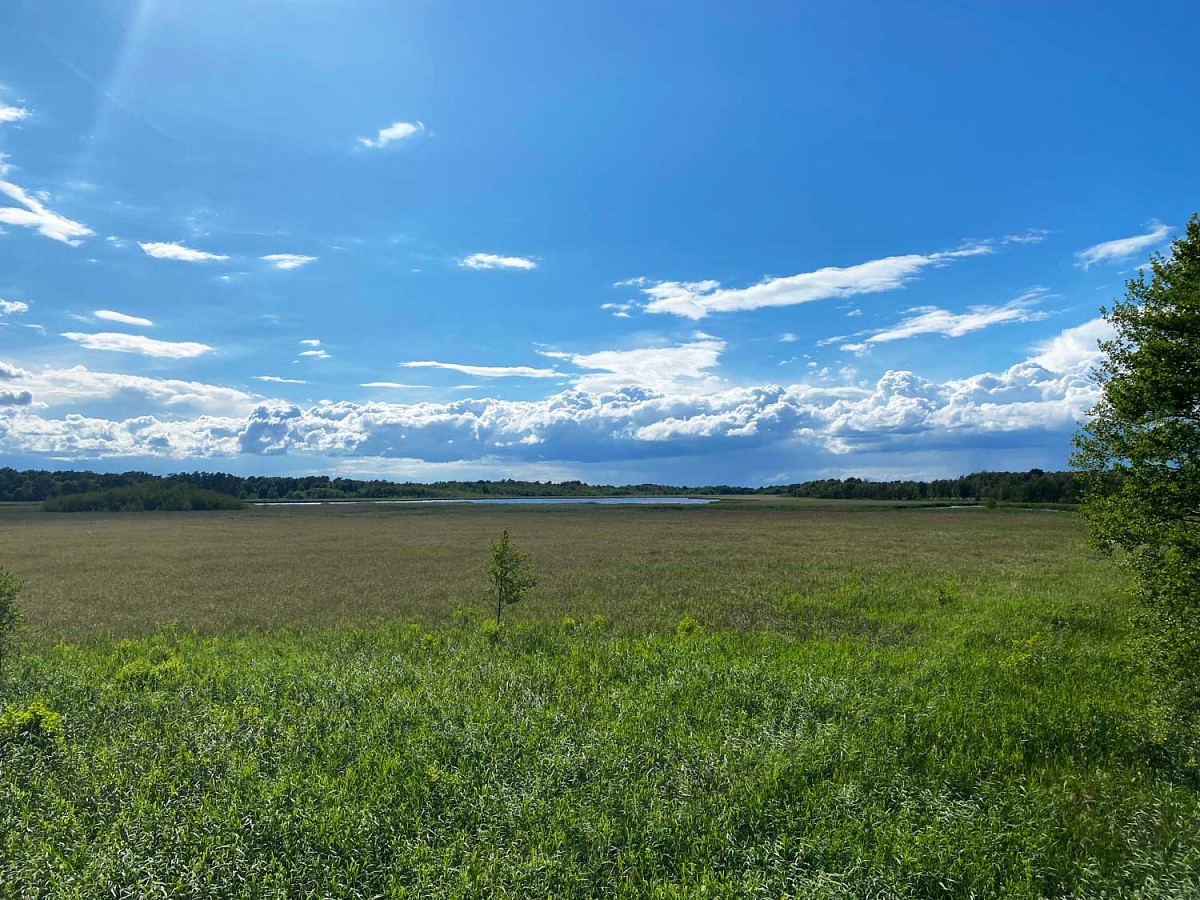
x=933 y=320
x=34 y=214
x=620 y=310
x=315 y=354
x=681 y=368
x=788 y=338
x=485 y=371
x=113 y=316
x=311 y=342
x=1123 y=248
x=13 y=113
x=288 y=260
x=275 y=379
x=697 y=299
x=13 y=307
x=1031 y=236
x=391 y=384
x=164 y=250
x=492 y=261
x=139 y=344
x=397 y=131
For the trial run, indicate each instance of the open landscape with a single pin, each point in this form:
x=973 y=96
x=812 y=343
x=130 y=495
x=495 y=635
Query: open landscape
x=761 y=697
x=599 y=450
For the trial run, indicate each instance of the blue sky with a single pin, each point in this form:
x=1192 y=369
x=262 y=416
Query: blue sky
x=685 y=243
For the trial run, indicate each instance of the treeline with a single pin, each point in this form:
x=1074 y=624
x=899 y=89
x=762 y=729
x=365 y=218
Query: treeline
x=1034 y=486
x=144 y=497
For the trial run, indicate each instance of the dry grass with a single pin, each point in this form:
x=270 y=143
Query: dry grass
x=786 y=566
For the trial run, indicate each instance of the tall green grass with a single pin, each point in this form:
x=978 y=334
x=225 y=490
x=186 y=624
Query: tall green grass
x=567 y=760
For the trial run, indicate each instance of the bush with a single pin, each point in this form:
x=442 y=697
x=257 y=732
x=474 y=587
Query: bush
x=10 y=614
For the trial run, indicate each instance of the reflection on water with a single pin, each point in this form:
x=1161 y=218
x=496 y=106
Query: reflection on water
x=501 y=501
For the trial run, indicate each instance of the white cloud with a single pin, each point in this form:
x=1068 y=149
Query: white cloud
x=788 y=338
x=485 y=371
x=1123 y=248
x=316 y=354
x=697 y=299
x=682 y=368
x=139 y=344
x=311 y=342
x=113 y=316
x=13 y=113
x=391 y=384
x=78 y=387
x=163 y=250
x=35 y=215
x=1076 y=347
x=932 y=320
x=288 y=260
x=397 y=131
x=1031 y=236
x=13 y=307
x=620 y=310
x=1035 y=403
x=275 y=379
x=492 y=261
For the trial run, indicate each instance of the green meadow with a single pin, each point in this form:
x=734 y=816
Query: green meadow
x=760 y=698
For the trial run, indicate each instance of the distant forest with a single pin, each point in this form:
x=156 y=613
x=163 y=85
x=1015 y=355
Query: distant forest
x=1034 y=486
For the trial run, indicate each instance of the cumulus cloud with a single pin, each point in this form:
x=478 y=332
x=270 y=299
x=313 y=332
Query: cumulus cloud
x=311 y=342
x=1034 y=403
x=275 y=379
x=492 y=261
x=13 y=307
x=32 y=213
x=1123 y=248
x=698 y=299
x=15 y=398
x=288 y=260
x=114 y=316
x=932 y=320
x=12 y=113
x=139 y=344
x=397 y=131
x=1075 y=348
x=484 y=371
x=164 y=250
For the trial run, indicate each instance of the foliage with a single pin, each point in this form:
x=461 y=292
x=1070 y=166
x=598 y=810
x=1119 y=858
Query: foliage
x=35 y=724
x=509 y=572
x=1145 y=430
x=145 y=497
x=1034 y=486
x=10 y=614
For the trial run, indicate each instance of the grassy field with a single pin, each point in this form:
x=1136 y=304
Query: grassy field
x=753 y=699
